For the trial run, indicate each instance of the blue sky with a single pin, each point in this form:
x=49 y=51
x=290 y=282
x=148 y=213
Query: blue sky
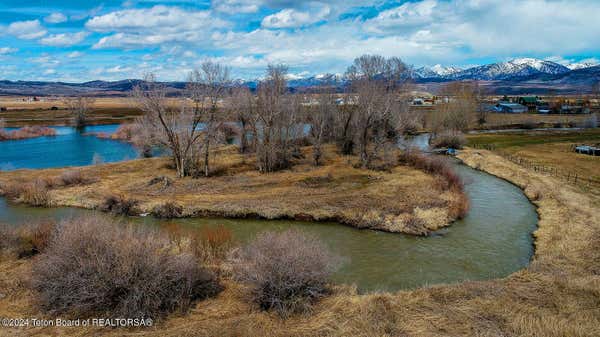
x=82 y=40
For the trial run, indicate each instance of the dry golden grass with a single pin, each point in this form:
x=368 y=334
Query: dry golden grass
x=502 y=119
x=104 y=111
x=557 y=295
x=335 y=191
x=553 y=149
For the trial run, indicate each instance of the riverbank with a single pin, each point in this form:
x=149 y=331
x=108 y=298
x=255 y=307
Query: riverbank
x=402 y=199
x=557 y=295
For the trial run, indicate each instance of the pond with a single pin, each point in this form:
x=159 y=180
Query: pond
x=493 y=240
x=68 y=148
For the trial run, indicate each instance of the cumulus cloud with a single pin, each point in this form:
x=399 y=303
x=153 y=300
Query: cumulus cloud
x=55 y=18
x=64 y=40
x=7 y=50
x=26 y=30
x=291 y=18
x=75 y=54
x=136 y=28
x=236 y=6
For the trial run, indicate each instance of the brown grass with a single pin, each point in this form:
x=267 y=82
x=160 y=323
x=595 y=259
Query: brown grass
x=26 y=132
x=557 y=295
x=34 y=193
x=334 y=191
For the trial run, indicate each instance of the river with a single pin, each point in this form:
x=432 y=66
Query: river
x=493 y=240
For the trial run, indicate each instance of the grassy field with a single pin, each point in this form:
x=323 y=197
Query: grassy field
x=553 y=149
x=402 y=200
x=557 y=295
x=52 y=111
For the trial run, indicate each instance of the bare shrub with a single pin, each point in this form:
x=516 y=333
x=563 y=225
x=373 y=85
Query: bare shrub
x=285 y=271
x=119 y=204
x=168 y=210
x=434 y=165
x=211 y=244
x=96 y=267
x=74 y=177
x=26 y=240
x=449 y=139
x=35 y=194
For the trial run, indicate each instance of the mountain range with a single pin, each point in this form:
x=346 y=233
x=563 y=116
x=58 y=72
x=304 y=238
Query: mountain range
x=518 y=76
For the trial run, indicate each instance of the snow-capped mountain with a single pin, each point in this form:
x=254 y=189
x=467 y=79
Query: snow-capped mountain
x=522 y=67
x=582 y=65
x=437 y=71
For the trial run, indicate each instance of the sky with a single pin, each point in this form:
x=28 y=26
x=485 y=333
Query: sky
x=83 y=40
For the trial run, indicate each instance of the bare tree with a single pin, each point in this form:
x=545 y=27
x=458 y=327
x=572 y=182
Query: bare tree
x=207 y=87
x=79 y=107
x=461 y=108
x=168 y=126
x=276 y=120
x=344 y=126
x=243 y=105
x=375 y=81
x=321 y=120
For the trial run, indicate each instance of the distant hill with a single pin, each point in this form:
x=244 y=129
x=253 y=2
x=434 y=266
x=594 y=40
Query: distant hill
x=519 y=76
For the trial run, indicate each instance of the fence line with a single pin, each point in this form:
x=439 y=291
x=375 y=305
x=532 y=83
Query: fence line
x=568 y=176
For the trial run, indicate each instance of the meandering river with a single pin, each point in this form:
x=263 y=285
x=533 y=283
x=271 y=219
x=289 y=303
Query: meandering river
x=493 y=240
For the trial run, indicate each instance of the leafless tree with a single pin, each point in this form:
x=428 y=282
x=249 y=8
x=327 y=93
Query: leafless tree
x=321 y=120
x=243 y=105
x=344 y=126
x=207 y=87
x=165 y=124
x=461 y=108
x=375 y=82
x=79 y=107
x=276 y=120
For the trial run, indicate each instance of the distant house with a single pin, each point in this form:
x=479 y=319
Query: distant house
x=511 y=108
x=531 y=102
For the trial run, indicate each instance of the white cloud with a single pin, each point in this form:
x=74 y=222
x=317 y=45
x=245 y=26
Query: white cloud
x=75 y=54
x=236 y=6
x=49 y=71
x=7 y=50
x=291 y=18
x=55 y=18
x=137 y=28
x=64 y=40
x=409 y=14
x=26 y=30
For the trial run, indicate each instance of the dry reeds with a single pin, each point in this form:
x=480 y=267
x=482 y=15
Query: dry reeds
x=27 y=132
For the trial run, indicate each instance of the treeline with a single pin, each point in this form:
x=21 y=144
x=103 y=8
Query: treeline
x=272 y=123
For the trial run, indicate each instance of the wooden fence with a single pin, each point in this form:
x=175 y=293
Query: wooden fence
x=568 y=176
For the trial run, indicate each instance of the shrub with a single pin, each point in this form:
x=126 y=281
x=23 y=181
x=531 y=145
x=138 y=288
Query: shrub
x=168 y=210
x=27 y=240
x=449 y=139
x=211 y=244
x=35 y=193
x=434 y=165
x=119 y=204
x=285 y=271
x=96 y=267
x=73 y=177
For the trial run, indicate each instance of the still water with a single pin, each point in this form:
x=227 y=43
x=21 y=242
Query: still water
x=68 y=148
x=493 y=241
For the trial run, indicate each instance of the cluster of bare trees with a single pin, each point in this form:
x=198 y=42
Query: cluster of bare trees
x=273 y=122
x=377 y=84
x=79 y=107
x=187 y=129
